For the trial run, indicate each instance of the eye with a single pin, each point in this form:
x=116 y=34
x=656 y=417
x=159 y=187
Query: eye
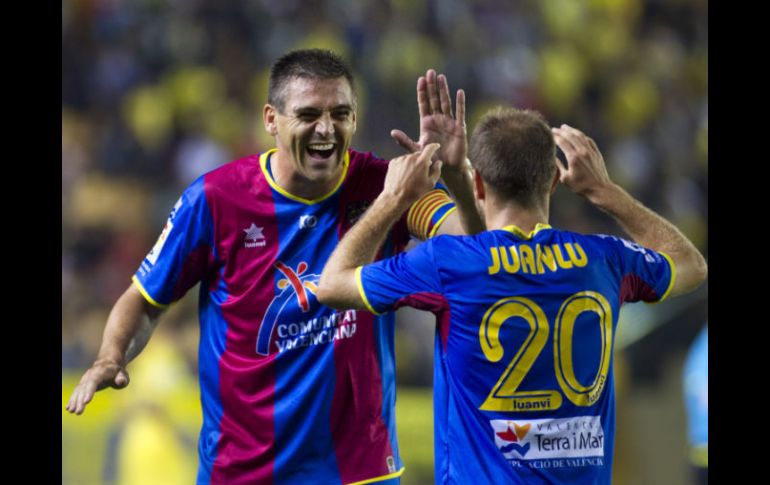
x=341 y=114
x=307 y=116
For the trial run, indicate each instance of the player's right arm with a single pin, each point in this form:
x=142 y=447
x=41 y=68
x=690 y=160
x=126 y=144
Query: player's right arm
x=179 y=259
x=408 y=178
x=129 y=326
x=586 y=175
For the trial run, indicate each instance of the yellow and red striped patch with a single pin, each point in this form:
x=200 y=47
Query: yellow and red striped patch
x=419 y=219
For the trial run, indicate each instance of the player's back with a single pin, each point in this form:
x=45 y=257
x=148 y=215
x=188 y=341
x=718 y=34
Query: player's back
x=524 y=383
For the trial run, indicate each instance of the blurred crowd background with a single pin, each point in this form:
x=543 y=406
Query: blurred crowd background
x=157 y=92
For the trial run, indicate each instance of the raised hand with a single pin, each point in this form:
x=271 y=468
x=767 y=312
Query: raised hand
x=437 y=122
x=586 y=172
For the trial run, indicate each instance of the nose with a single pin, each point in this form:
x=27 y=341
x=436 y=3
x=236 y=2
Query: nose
x=325 y=125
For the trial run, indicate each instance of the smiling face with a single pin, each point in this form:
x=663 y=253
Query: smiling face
x=312 y=132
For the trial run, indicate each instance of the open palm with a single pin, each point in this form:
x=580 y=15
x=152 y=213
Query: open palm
x=437 y=122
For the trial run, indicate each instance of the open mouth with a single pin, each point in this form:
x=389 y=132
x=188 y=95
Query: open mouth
x=320 y=151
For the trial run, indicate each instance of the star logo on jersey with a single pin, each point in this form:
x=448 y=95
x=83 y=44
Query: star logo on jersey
x=254 y=237
x=296 y=287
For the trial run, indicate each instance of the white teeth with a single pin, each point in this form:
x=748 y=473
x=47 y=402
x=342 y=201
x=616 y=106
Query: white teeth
x=321 y=146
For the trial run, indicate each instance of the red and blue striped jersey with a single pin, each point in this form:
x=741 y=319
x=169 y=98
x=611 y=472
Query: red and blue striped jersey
x=292 y=391
x=523 y=380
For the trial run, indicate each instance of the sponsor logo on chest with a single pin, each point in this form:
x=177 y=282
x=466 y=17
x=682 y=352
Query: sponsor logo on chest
x=537 y=439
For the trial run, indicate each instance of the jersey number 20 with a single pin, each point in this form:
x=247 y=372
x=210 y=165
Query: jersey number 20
x=505 y=395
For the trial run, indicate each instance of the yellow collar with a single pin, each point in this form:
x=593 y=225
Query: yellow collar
x=515 y=230
x=263 y=164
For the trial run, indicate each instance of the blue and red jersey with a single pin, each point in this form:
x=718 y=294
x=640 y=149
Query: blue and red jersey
x=523 y=374
x=292 y=391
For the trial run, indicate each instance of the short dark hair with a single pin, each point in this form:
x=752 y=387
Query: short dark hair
x=514 y=152
x=306 y=63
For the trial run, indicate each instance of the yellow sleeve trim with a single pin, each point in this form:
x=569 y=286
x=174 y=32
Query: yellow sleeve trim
x=441 y=221
x=673 y=276
x=379 y=479
x=366 y=301
x=145 y=294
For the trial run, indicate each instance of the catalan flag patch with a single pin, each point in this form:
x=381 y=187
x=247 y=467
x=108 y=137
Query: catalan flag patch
x=426 y=215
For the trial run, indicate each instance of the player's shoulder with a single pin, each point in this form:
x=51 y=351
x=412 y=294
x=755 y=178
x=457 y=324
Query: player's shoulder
x=234 y=168
x=236 y=175
x=561 y=235
x=365 y=175
x=366 y=161
x=459 y=245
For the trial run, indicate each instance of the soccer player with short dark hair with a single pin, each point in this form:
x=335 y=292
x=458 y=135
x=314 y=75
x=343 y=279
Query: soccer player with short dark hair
x=523 y=380
x=292 y=391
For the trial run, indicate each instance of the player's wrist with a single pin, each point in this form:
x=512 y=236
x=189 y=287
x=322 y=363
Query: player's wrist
x=392 y=205
x=457 y=166
x=457 y=177
x=110 y=357
x=606 y=196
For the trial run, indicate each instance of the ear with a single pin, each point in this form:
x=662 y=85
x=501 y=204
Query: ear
x=478 y=186
x=555 y=182
x=268 y=117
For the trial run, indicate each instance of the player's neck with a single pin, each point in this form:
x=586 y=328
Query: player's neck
x=502 y=214
x=293 y=182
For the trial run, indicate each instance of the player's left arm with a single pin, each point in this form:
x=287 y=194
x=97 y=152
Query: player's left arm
x=586 y=174
x=408 y=177
x=438 y=124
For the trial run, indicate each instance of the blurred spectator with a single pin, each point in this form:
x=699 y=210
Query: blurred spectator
x=696 y=400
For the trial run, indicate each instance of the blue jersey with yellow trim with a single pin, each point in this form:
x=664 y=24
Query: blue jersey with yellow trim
x=523 y=379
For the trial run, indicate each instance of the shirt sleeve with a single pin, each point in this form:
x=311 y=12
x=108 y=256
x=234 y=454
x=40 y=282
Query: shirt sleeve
x=183 y=252
x=388 y=284
x=647 y=275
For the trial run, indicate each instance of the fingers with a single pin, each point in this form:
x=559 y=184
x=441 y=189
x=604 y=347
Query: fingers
x=580 y=139
x=433 y=97
x=423 y=104
x=461 y=106
x=81 y=396
x=434 y=172
x=70 y=407
x=564 y=141
x=428 y=152
x=403 y=139
x=96 y=378
x=560 y=166
x=121 y=380
x=443 y=92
